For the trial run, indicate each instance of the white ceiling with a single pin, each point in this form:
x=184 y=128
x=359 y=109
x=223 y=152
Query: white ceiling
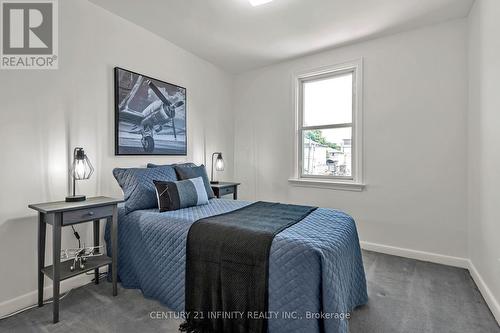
x=237 y=37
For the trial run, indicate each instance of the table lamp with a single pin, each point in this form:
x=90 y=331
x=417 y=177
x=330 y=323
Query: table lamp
x=80 y=169
x=219 y=166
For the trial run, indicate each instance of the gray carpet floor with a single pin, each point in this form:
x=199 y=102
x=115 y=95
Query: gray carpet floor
x=405 y=296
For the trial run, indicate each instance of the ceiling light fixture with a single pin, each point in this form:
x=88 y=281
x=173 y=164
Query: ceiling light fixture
x=258 y=2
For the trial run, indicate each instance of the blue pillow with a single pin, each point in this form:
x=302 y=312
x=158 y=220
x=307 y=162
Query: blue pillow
x=180 y=194
x=188 y=172
x=138 y=187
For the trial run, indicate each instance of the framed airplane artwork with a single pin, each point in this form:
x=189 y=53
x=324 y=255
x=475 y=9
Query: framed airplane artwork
x=150 y=115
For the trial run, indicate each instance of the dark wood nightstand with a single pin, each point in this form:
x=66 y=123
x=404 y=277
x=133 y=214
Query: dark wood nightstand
x=60 y=214
x=224 y=188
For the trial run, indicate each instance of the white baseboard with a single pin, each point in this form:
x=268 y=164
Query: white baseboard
x=415 y=254
x=488 y=296
x=31 y=298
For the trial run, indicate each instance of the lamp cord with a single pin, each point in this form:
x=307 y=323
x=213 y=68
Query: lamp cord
x=77 y=236
x=33 y=306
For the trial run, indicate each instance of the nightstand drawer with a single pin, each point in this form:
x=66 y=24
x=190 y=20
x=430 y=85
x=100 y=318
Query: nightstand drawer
x=88 y=214
x=226 y=190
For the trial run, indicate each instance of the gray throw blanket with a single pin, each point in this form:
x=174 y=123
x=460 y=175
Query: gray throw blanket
x=227 y=267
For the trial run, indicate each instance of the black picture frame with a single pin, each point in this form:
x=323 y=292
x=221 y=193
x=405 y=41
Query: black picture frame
x=150 y=115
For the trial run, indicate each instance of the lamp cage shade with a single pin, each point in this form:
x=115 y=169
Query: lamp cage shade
x=81 y=167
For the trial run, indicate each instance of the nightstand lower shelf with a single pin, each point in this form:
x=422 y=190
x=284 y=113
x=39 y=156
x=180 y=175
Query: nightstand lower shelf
x=66 y=273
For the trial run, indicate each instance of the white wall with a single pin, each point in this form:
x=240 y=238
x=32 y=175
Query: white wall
x=45 y=114
x=415 y=106
x=484 y=151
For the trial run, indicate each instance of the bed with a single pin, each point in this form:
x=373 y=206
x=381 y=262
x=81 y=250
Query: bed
x=315 y=266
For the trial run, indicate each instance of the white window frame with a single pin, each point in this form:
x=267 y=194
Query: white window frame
x=355 y=181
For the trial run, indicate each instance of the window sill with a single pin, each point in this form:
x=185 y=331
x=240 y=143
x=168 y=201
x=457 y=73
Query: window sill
x=327 y=184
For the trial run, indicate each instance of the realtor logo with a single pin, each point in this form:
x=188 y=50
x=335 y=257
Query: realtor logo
x=29 y=34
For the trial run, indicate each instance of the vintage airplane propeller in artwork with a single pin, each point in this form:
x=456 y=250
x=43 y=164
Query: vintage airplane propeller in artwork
x=153 y=118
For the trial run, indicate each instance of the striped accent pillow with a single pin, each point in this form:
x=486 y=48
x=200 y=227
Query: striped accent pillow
x=180 y=194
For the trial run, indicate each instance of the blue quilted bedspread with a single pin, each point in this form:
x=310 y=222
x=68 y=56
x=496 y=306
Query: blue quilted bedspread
x=315 y=265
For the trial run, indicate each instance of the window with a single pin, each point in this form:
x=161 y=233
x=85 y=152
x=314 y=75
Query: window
x=329 y=125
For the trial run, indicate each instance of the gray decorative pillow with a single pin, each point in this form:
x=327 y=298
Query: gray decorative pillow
x=180 y=194
x=188 y=172
x=137 y=185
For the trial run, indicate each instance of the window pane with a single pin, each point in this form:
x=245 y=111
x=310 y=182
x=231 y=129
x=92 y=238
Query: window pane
x=328 y=101
x=327 y=152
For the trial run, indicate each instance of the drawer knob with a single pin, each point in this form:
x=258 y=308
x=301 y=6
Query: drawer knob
x=91 y=213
